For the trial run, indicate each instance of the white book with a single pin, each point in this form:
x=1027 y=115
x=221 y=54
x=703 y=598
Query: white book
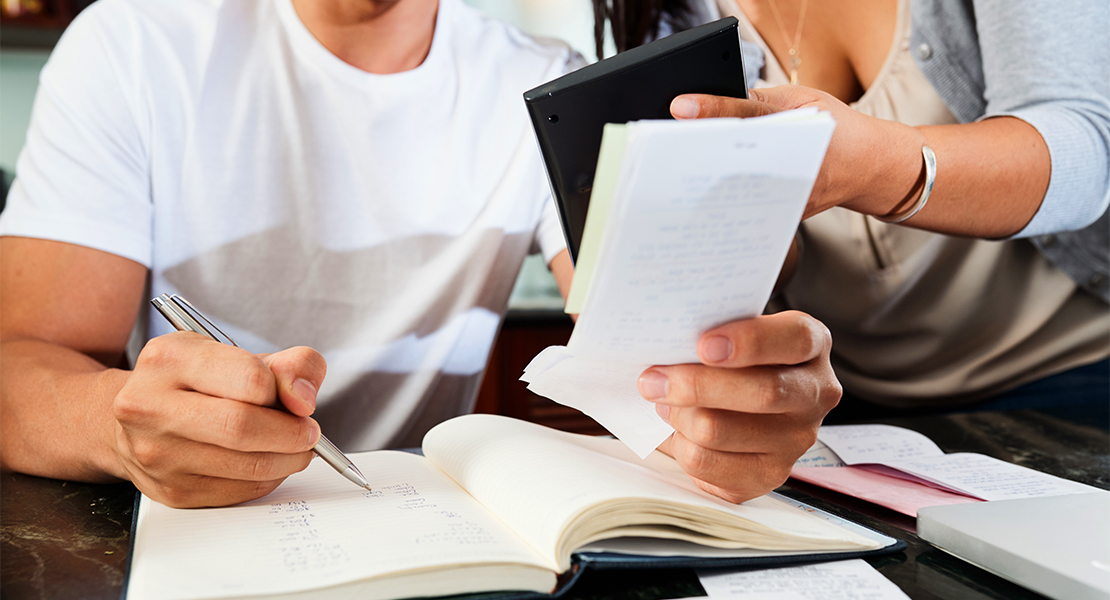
x=494 y=504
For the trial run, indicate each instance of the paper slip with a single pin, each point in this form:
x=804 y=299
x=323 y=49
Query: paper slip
x=606 y=391
x=989 y=478
x=694 y=220
x=895 y=452
x=842 y=580
x=877 y=444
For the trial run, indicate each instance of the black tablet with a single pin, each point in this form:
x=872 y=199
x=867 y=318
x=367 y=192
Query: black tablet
x=569 y=113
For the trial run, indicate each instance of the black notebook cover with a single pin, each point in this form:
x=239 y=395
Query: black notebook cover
x=570 y=112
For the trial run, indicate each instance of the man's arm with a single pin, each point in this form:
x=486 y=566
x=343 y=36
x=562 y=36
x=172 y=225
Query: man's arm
x=57 y=342
x=753 y=405
x=190 y=426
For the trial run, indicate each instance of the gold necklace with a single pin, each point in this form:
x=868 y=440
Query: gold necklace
x=795 y=61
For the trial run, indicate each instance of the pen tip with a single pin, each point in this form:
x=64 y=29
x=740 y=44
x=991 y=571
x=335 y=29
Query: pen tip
x=367 y=486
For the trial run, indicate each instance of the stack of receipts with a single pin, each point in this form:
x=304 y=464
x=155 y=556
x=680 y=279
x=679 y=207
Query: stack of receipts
x=905 y=471
x=688 y=226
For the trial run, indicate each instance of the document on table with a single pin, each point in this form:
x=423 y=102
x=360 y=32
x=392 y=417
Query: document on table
x=842 y=580
x=694 y=221
x=876 y=456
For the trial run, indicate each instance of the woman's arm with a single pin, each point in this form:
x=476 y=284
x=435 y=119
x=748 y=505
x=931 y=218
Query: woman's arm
x=875 y=166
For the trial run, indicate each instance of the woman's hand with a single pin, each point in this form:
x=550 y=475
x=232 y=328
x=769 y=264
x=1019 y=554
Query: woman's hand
x=752 y=407
x=872 y=165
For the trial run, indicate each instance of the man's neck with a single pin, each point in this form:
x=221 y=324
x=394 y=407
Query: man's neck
x=377 y=36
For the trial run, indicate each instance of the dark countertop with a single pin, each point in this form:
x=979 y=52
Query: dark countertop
x=69 y=540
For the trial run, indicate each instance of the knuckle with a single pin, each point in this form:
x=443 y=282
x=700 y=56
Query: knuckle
x=777 y=472
x=258 y=381
x=772 y=388
x=261 y=488
x=147 y=453
x=768 y=473
x=233 y=423
x=800 y=440
x=127 y=408
x=811 y=337
x=312 y=361
x=261 y=467
x=162 y=353
x=831 y=393
x=696 y=461
x=703 y=430
x=177 y=496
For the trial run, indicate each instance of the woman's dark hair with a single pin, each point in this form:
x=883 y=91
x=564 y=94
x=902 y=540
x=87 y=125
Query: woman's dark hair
x=636 y=21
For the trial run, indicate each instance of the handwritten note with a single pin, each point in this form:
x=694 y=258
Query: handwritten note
x=988 y=478
x=304 y=534
x=701 y=216
x=819 y=455
x=878 y=453
x=843 y=580
x=878 y=444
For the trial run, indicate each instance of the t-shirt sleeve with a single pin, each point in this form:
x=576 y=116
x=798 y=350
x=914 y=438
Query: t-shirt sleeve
x=1048 y=63
x=549 y=233
x=83 y=176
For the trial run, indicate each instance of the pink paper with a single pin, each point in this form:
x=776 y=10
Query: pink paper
x=892 y=492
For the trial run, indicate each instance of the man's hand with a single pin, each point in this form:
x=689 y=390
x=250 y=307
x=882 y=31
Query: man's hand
x=752 y=407
x=197 y=425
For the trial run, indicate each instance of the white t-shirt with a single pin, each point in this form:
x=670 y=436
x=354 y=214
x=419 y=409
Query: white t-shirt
x=297 y=200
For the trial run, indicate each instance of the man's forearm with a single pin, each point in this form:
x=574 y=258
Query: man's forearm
x=56 y=412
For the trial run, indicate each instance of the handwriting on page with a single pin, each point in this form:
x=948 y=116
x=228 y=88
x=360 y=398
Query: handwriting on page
x=302 y=546
x=843 y=580
x=819 y=455
x=317 y=530
x=988 y=478
x=683 y=261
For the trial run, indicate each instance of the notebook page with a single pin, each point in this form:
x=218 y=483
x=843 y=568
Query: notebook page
x=317 y=529
x=538 y=479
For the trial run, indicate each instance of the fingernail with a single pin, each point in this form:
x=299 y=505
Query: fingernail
x=314 y=435
x=684 y=108
x=664 y=411
x=716 y=349
x=653 y=385
x=305 y=392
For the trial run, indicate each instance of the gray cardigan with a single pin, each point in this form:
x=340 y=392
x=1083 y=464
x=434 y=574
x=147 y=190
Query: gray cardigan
x=1046 y=62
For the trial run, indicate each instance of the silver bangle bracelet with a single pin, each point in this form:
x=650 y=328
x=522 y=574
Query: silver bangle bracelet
x=930 y=178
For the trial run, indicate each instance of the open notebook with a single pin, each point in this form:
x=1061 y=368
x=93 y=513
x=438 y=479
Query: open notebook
x=495 y=504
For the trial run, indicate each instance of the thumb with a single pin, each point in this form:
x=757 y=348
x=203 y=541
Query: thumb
x=298 y=372
x=760 y=102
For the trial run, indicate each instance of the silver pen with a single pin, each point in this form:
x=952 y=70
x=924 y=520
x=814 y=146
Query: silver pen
x=180 y=313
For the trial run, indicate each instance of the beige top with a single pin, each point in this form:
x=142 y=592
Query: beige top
x=920 y=318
